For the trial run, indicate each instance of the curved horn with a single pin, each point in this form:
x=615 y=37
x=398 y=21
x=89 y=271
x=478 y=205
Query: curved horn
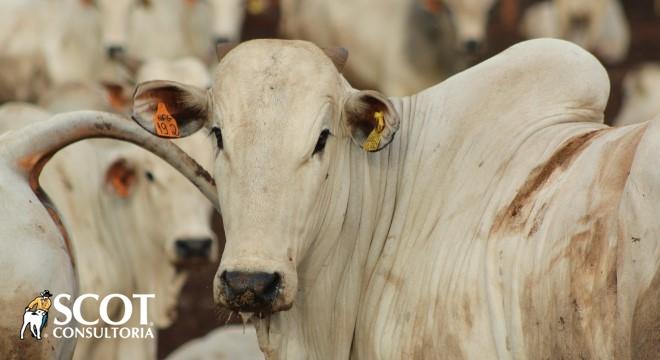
x=32 y=146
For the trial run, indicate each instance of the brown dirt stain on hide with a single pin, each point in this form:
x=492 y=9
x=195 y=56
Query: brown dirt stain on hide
x=33 y=165
x=514 y=216
x=13 y=348
x=394 y=280
x=556 y=311
x=571 y=303
x=645 y=332
x=467 y=313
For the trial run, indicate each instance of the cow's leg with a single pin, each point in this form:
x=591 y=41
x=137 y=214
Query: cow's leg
x=25 y=324
x=33 y=331
x=37 y=329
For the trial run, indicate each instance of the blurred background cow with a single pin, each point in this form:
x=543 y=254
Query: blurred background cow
x=89 y=54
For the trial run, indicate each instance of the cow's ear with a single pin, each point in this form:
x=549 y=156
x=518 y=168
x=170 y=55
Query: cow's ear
x=170 y=109
x=370 y=119
x=117 y=96
x=120 y=178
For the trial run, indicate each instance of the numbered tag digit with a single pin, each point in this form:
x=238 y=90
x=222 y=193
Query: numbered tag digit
x=164 y=123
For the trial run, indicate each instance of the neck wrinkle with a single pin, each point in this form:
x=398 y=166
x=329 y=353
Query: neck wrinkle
x=340 y=264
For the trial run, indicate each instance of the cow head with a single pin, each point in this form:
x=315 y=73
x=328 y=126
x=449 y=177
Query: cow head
x=227 y=19
x=115 y=23
x=470 y=19
x=282 y=118
x=579 y=20
x=162 y=221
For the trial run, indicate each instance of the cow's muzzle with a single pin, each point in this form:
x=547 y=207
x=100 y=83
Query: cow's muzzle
x=250 y=291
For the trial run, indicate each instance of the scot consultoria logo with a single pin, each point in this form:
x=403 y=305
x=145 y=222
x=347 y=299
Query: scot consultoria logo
x=35 y=317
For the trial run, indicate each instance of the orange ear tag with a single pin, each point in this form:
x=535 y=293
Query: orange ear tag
x=373 y=141
x=164 y=124
x=432 y=6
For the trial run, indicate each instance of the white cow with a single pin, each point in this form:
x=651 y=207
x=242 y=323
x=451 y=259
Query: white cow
x=147 y=29
x=641 y=95
x=399 y=47
x=597 y=25
x=32 y=321
x=35 y=249
x=503 y=219
x=234 y=342
x=44 y=42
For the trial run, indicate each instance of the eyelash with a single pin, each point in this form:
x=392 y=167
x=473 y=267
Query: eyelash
x=218 y=137
x=320 y=144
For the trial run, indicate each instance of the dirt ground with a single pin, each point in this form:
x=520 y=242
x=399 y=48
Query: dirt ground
x=198 y=315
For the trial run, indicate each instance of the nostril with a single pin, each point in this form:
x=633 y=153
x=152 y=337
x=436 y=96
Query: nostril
x=114 y=51
x=268 y=286
x=220 y=40
x=471 y=46
x=193 y=247
x=263 y=285
x=579 y=21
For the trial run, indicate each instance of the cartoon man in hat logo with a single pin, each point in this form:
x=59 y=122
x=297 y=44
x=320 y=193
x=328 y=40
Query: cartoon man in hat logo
x=36 y=314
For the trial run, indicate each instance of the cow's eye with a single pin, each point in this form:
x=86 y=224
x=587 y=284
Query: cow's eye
x=149 y=175
x=218 y=136
x=320 y=144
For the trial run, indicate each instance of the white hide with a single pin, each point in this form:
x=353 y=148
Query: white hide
x=234 y=342
x=607 y=33
x=641 y=95
x=504 y=218
x=389 y=45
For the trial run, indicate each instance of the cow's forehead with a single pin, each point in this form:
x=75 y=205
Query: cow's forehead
x=274 y=81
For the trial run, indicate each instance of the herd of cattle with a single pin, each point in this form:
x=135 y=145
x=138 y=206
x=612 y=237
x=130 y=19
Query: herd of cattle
x=492 y=214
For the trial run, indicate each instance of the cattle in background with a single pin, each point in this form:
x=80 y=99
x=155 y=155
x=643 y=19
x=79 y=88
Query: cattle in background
x=233 y=342
x=132 y=218
x=641 y=95
x=36 y=251
x=227 y=20
x=44 y=42
x=148 y=29
x=399 y=47
x=599 y=26
x=503 y=218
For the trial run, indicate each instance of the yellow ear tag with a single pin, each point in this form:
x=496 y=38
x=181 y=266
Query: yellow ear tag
x=164 y=124
x=373 y=141
x=256 y=7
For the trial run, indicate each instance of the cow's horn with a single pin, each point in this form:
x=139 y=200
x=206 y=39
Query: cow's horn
x=338 y=55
